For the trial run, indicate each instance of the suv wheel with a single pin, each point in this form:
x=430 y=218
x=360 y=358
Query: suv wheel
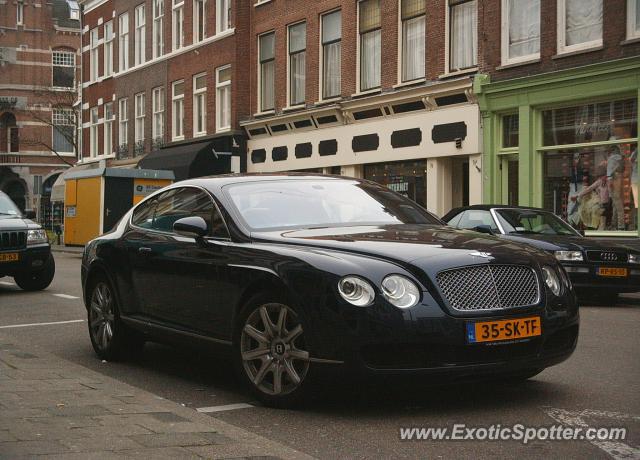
x=37 y=280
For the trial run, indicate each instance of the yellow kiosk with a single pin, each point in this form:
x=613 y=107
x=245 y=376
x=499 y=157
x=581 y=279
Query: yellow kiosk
x=96 y=199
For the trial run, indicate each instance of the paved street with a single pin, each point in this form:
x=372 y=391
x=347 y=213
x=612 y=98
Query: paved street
x=599 y=387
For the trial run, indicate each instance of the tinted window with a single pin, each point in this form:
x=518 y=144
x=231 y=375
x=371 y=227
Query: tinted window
x=455 y=220
x=322 y=203
x=473 y=218
x=161 y=213
x=532 y=221
x=7 y=207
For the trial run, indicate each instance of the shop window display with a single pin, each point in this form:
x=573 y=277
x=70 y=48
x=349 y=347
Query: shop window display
x=409 y=178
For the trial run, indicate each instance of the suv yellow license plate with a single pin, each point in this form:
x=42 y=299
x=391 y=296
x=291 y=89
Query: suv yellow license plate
x=613 y=272
x=504 y=329
x=9 y=257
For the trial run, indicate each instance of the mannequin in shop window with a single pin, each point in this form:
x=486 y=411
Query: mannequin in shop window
x=594 y=201
x=615 y=172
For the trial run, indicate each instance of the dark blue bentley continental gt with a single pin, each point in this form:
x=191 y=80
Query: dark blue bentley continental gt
x=299 y=272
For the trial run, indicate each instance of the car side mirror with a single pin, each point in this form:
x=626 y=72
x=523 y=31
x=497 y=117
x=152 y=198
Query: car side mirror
x=193 y=227
x=483 y=229
x=30 y=214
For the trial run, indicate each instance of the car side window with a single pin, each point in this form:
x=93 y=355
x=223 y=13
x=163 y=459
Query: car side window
x=455 y=220
x=473 y=218
x=143 y=215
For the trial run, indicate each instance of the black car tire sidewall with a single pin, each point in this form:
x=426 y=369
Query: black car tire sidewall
x=125 y=342
x=290 y=400
x=37 y=280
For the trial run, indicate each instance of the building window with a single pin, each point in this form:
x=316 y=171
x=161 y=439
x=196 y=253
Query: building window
x=74 y=10
x=139 y=123
x=331 y=54
x=178 y=24
x=222 y=15
x=123 y=123
x=297 y=62
x=510 y=131
x=123 y=44
x=93 y=133
x=408 y=178
x=413 y=16
x=594 y=187
x=177 y=112
x=520 y=30
x=267 y=71
x=369 y=27
x=158 y=28
x=633 y=19
x=579 y=25
x=223 y=98
x=108 y=48
x=139 y=52
x=64 y=69
x=37 y=185
x=200 y=105
x=199 y=20
x=109 y=116
x=463 y=34
x=157 y=104
x=93 y=57
x=20 y=13
x=64 y=129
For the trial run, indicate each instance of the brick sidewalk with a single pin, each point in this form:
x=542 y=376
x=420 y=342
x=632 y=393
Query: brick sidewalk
x=54 y=408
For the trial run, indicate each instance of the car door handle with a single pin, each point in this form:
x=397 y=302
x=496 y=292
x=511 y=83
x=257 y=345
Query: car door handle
x=144 y=250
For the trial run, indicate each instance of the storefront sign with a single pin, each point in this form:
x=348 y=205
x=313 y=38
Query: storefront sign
x=71 y=211
x=145 y=189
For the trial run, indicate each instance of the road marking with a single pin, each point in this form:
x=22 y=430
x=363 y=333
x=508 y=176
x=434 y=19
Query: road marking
x=615 y=449
x=10 y=326
x=227 y=407
x=7 y=283
x=66 y=296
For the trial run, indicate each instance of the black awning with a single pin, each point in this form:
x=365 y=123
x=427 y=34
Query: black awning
x=195 y=159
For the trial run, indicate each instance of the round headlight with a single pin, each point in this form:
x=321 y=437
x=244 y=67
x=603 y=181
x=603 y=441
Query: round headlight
x=356 y=291
x=400 y=291
x=551 y=280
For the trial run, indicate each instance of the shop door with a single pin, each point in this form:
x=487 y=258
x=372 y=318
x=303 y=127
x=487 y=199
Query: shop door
x=460 y=182
x=118 y=198
x=510 y=182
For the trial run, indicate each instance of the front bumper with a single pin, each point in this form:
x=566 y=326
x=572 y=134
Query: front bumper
x=30 y=259
x=584 y=276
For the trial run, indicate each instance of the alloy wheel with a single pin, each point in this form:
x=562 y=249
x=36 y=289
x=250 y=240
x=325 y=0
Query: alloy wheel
x=273 y=349
x=101 y=315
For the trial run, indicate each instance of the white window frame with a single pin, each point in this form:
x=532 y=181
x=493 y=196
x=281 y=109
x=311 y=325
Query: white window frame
x=223 y=8
x=199 y=94
x=562 y=33
x=321 y=63
x=157 y=107
x=123 y=42
x=633 y=29
x=139 y=54
x=262 y=109
x=61 y=58
x=140 y=110
x=175 y=100
x=93 y=132
x=359 y=88
x=447 y=49
x=401 y=25
x=196 y=18
x=506 y=19
x=177 y=12
x=108 y=48
x=62 y=117
x=20 y=13
x=157 y=40
x=108 y=129
x=220 y=87
x=123 y=122
x=94 y=55
x=291 y=103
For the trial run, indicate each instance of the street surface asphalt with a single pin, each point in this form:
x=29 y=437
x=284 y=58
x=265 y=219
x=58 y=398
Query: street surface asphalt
x=598 y=386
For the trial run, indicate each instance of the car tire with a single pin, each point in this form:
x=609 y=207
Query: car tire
x=111 y=339
x=272 y=361
x=37 y=280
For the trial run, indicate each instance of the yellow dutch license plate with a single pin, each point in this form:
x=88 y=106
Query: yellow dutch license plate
x=614 y=272
x=9 y=257
x=504 y=329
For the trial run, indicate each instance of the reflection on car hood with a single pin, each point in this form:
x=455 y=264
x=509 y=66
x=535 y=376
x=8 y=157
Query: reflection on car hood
x=14 y=223
x=406 y=243
x=567 y=242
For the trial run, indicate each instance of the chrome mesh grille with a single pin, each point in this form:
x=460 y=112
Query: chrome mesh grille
x=489 y=287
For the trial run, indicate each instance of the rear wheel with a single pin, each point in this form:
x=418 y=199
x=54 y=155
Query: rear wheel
x=271 y=355
x=37 y=280
x=110 y=337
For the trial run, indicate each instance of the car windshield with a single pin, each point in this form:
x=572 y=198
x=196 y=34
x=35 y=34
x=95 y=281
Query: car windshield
x=7 y=207
x=533 y=222
x=308 y=203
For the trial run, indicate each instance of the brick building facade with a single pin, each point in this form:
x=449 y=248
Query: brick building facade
x=39 y=44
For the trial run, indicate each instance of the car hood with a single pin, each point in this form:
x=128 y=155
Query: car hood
x=409 y=243
x=567 y=243
x=16 y=223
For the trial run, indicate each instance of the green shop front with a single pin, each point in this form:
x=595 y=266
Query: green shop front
x=567 y=142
